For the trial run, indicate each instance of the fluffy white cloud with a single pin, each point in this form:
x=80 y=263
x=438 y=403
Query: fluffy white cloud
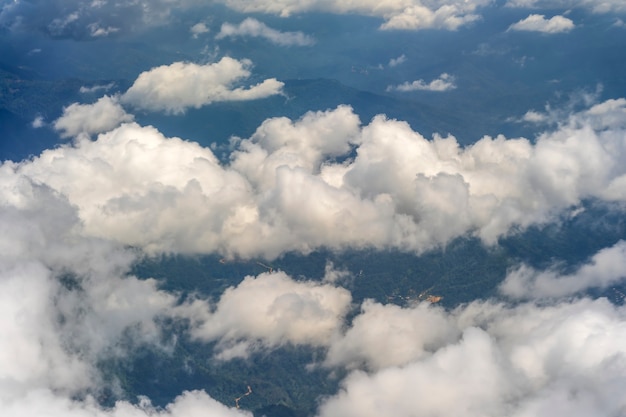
x=198 y=29
x=533 y=116
x=286 y=188
x=38 y=122
x=68 y=299
x=388 y=335
x=538 y=23
x=605 y=268
x=173 y=88
x=520 y=361
x=253 y=28
x=398 y=14
x=68 y=302
x=272 y=310
x=101 y=116
x=445 y=82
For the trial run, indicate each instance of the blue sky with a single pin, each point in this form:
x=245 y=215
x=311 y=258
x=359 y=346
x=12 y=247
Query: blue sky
x=251 y=130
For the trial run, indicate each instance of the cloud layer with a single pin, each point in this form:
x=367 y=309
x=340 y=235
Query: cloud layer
x=68 y=215
x=288 y=188
x=522 y=361
x=398 y=14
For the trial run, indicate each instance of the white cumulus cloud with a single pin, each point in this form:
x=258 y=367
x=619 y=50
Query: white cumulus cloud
x=538 y=23
x=198 y=29
x=286 y=188
x=251 y=27
x=273 y=310
x=388 y=335
x=176 y=87
x=515 y=361
x=69 y=302
x=101 y=116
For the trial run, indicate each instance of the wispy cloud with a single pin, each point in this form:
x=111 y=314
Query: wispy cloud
x=606 y=6
x=444 y=82
x=607 y=267
x=253 y=28
x=394 y=62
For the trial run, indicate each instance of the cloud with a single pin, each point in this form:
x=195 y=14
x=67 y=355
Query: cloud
x=394 y=62
x=48 y=403
x=398 y=14
x=291 y=187
x=96 y=88
x=388 y=335
x=273 y=310
x=47 y=341
x=97 y=31
x=88 y=19
x=532 y=116
x=445 y=82
x=524 y=360
x=253 y=28
x=607 y=267
x=198 y=29
x=538 y=23
x=90 y=119
x=176 y=87
x=38 y=122
x=606 y=6
x=68 y=302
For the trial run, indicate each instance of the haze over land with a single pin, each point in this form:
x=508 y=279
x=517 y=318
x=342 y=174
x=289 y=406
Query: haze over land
x=324 y=208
